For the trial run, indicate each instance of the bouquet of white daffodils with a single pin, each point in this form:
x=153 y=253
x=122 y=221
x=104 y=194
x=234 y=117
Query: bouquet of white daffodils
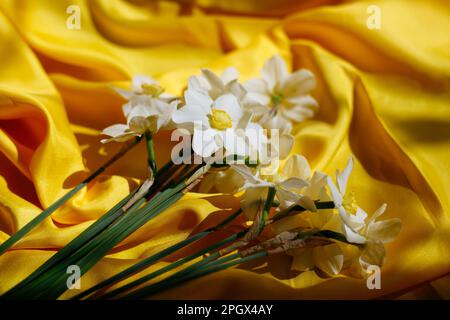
x=236 y=139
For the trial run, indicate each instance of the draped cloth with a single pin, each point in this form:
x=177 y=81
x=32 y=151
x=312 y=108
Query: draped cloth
x=384 y=96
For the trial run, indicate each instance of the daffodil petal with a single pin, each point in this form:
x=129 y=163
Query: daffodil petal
x=204 y=142
x=230 y=105
x=274 y=71
x=257 y=86
x=190 y=113
x=297 y=113
x=296 y=166
x=234 y=144
x=293 y=184
x=316 y=185
x=246 y=173
x=335 y=195
x=115 y=130
x=329 y=258
x=229 y=74
x=307 y=203
x=298 y=83
x=352 y=236
x=124 y=93
x=384 y=231
x=253 y=200
x=304 y=101
x=215 y=83
x=285 y=145
x=377 y=213
x=198 y=83
x=350 y=233
x=199 y=100
x=342 y=178
x=236 y=89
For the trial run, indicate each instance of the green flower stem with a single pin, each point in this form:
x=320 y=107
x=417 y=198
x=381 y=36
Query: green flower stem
x=122 y=229
x=139 y=266
x=58 y=203
x=152 y=259
x=214 y=266
x=88 y=234
x=39 y=281
x=152 y=289
x=148 y=277
x=53 y=283
x=175 y=265
x=267 y=206
x=150 y=151
x=81 y=242
x=208 y=266
x=212 y=259
x=178 y=275
x=56 y=287
x=266 y=210
x=319 y=205
x=112 y=236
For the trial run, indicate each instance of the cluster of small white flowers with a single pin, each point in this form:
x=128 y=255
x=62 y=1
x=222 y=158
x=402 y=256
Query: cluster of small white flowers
x=219 y=112
x=295 y=184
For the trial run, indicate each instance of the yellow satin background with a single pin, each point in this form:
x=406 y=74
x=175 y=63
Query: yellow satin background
x=384 y=96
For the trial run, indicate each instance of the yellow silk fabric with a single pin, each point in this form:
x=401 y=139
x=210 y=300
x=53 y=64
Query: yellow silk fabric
x=384 y=96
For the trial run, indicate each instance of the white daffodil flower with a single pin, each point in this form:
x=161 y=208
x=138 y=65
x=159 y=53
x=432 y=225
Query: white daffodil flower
x=214 y=86
x=230 y=181
x=218 y=123
x=141 y=118
x=143 y=91
x=339 y=194
x=374 y=234
x=298 y=167
x=293 y=183
x=346 y=204
x=279 y=98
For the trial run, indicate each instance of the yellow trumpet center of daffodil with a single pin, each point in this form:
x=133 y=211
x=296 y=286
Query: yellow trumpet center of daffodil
x=152 y=89
x=220 y=120
x=349 y=202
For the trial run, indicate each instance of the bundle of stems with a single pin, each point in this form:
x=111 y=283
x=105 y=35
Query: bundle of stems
x=58 y=203
x=163 y=188
x=222 y=260
x=217 y=256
